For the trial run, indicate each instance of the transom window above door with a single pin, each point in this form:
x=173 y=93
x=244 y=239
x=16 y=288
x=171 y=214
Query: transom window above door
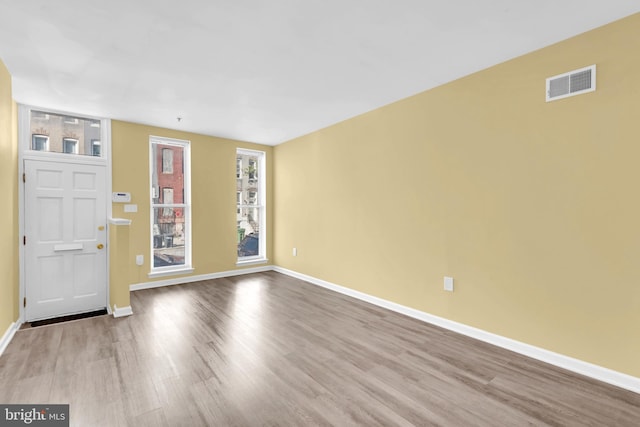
x=58 y=133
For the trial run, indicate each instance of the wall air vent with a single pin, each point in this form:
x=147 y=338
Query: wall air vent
x=572 y=83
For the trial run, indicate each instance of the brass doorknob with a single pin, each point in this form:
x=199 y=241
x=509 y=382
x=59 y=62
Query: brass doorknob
x=100 y=246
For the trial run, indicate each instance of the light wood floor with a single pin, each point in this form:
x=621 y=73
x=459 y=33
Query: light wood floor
x=268 y=350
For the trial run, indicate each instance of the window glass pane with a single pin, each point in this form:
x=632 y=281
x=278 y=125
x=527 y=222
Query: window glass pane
x=248 y=232
x=39 y=142
x=40 y=115
x=70 y=146
x=96 y=148
x=168 y=237
x=167 y=158
x=54 y=133
x=167 y=199
x=252 y=197
x=247 y=173
x=238 y=168
x=252 y=170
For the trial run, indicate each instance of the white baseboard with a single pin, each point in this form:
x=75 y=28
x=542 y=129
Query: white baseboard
x=198 y=278
x=122 y=311
x=8 y=336
x=600 y=373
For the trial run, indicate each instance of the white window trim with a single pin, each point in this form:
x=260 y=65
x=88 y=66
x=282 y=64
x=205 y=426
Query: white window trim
x=261 y=258
x=254 y=260
x=172 y=272
x=187 y=266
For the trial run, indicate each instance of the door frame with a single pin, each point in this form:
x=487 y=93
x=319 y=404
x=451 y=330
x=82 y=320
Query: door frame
x=25 y=153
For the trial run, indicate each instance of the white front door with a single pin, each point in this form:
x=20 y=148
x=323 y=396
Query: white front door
x=65 y=239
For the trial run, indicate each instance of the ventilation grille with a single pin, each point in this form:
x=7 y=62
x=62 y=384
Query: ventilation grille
x=571 y=83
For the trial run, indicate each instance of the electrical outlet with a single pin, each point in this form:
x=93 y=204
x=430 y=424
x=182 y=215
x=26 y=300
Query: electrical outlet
x=295 y=251
x=139 y=259
x=448 y=284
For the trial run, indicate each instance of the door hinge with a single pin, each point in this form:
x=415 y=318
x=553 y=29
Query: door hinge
x=24 y=240
x=24 y=302
x=24 y=177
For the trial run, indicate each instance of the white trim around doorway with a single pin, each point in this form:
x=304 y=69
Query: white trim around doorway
x=24 y=153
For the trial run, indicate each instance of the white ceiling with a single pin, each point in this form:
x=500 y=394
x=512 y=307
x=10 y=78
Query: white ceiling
x=266 y=70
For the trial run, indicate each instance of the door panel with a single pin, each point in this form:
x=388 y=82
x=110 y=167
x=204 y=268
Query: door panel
x=84 y=226
x=65 y=227
x=50 y=268
x=50 y=225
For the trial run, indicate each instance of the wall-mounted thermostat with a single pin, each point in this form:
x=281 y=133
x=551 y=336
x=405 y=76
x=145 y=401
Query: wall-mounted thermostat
x=121 y=197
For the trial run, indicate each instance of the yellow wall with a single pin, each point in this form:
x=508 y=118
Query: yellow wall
x=9 y=202
x=532 y=207
x=213 y=193
x=119 y=266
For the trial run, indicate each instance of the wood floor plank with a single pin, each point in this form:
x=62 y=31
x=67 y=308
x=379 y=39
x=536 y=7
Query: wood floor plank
x=269 y=350
x=99 y=414
x=29 y=389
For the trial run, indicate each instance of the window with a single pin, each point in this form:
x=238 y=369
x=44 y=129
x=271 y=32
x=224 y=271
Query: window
x=250 y=205
x=39 y=115
x=167 y=160
x=69 y=145
x=58 y=133
x=238 y=168
x=252 y=169
x=95 y=147
x=40 y=142
x=170 y=206
x=167 y=199
x=253 y=197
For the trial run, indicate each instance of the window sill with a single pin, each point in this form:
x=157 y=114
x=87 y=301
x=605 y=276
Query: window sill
x=172 y=272
x=253 y=261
